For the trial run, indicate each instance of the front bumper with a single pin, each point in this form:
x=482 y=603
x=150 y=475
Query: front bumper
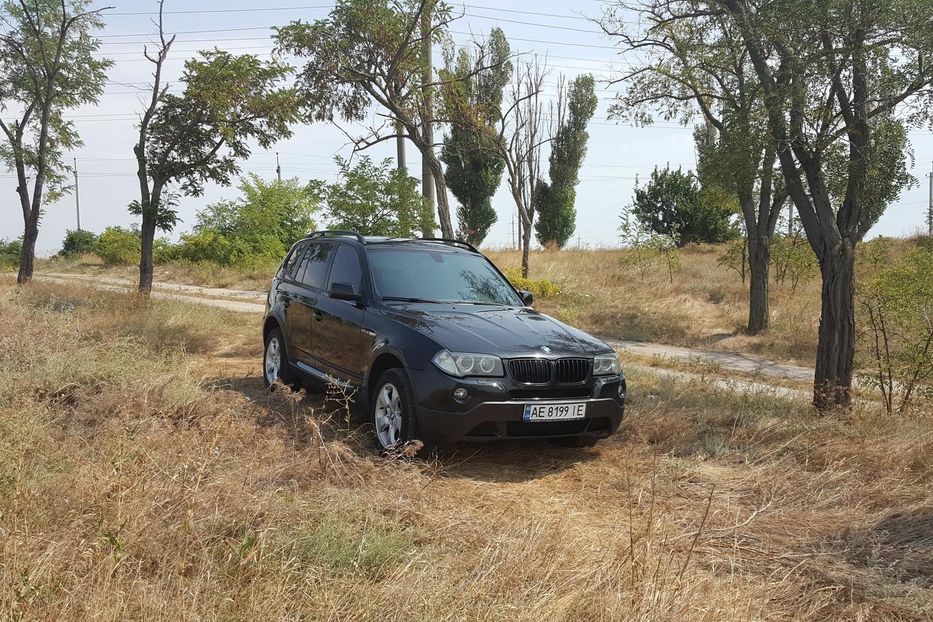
x=495 y=407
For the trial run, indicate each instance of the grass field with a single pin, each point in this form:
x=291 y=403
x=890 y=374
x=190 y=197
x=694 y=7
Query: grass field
x=706 y=305
x=145 y=474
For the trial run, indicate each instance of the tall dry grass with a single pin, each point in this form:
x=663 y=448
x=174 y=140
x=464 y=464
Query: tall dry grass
x=145 y=474
x=706 y=305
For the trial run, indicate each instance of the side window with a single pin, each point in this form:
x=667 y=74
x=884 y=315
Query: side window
x=313 y=266
x=346 y=268
x=288 y=268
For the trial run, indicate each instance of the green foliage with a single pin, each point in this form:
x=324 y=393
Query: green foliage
x=669 y=205
x=735 y=257
x=538 y=287
x=647 y=249
x=254 y=230
x=361 y=46
x=78 y=242
x=472 y=97
x=10 y=253
x=48 y=62
x=895 y=298
x=556 y=211
x=793 y=261
x=117 y=246
x=375 y=199
x=201 y=135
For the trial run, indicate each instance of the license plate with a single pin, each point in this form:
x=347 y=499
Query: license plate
x=554 y=411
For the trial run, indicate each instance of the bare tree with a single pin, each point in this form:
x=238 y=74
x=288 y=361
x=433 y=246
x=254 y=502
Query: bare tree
x=521 y=139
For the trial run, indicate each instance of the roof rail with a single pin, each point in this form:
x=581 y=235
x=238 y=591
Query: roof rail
x=460 y=243
x=336 y=233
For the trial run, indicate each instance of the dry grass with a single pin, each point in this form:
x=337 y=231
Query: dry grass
x=705 y=306
x=145 y=474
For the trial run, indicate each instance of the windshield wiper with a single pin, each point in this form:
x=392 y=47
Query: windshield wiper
x=406 y=299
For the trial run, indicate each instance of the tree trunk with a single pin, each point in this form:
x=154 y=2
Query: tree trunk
x=443 y=204
x=759 y=263
x=145 y=257
x=526 y=244
x=27 y=259
x=836 y=347
x=147 y=240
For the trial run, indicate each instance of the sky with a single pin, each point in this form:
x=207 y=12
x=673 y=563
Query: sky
x=562 y=31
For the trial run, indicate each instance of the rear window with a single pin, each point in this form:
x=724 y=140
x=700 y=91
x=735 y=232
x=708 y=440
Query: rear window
x=288 y=267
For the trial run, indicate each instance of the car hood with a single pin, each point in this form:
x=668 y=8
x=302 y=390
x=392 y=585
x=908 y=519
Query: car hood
x=504 y=331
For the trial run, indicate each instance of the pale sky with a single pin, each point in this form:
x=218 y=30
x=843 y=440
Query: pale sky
x=560 y=30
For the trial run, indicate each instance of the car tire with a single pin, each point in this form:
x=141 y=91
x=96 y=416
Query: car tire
x=577 y=441
x=392 y=412
x=275 y=365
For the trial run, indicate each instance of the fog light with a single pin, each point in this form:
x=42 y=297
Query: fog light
x=461 y=394
x=621 y=390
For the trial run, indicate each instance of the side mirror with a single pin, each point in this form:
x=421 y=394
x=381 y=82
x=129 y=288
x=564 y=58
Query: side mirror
x=527 y=297
x=344 y=291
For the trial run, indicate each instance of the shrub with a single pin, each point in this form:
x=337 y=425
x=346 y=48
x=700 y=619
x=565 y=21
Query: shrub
x=538 y=287
x=647 y=249
x=78 y=242
x=793 y=260
x=117 y=246
x=10 y=252
x=735 y=257
x=896 y=301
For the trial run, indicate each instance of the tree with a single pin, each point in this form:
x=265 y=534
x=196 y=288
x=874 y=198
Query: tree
x=256 y=229
x=375 y=199
x=46 y=67
x=691 y=62
x=201 y=135
x=556 y=212
x=839 y=81
x=472 y=95
x=669 y=204
x=519 y=141
x=369 y=51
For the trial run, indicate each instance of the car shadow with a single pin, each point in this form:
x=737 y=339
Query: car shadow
x=508 y=461
x=338 y=419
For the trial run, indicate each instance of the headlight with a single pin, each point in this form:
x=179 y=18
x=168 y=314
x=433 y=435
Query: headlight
x=605 y=364
x=462 y=364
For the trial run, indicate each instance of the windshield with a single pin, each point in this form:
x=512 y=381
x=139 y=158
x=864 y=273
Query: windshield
x=438 y=276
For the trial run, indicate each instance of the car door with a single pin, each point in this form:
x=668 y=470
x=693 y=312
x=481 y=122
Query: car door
x=307 y=288
x=337 y=331
x=287 y=288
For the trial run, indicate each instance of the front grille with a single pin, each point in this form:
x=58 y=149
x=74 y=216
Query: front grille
x=530 y=371
x=573 y=370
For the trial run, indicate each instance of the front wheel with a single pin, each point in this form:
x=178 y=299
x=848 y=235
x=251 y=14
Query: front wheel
x=392 y=409
x=274 y=361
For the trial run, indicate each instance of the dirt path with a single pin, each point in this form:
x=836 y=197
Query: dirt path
x=254 y=302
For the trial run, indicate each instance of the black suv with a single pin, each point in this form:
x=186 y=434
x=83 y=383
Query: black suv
x=436 y=341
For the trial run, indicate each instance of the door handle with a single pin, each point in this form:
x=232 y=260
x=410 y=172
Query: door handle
x=318 y=316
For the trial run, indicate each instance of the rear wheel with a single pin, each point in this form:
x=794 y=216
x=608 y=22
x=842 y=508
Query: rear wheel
x=393 y=416
x=275 y=364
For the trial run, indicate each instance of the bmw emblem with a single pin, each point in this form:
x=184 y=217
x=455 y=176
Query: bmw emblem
x=545 y=349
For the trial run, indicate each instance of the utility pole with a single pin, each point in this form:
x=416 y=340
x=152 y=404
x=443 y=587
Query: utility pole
x=513 y=230
x=278 y=167
x=930 y=208
x=400 y=161
x=77 y=198
x=427 y=76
